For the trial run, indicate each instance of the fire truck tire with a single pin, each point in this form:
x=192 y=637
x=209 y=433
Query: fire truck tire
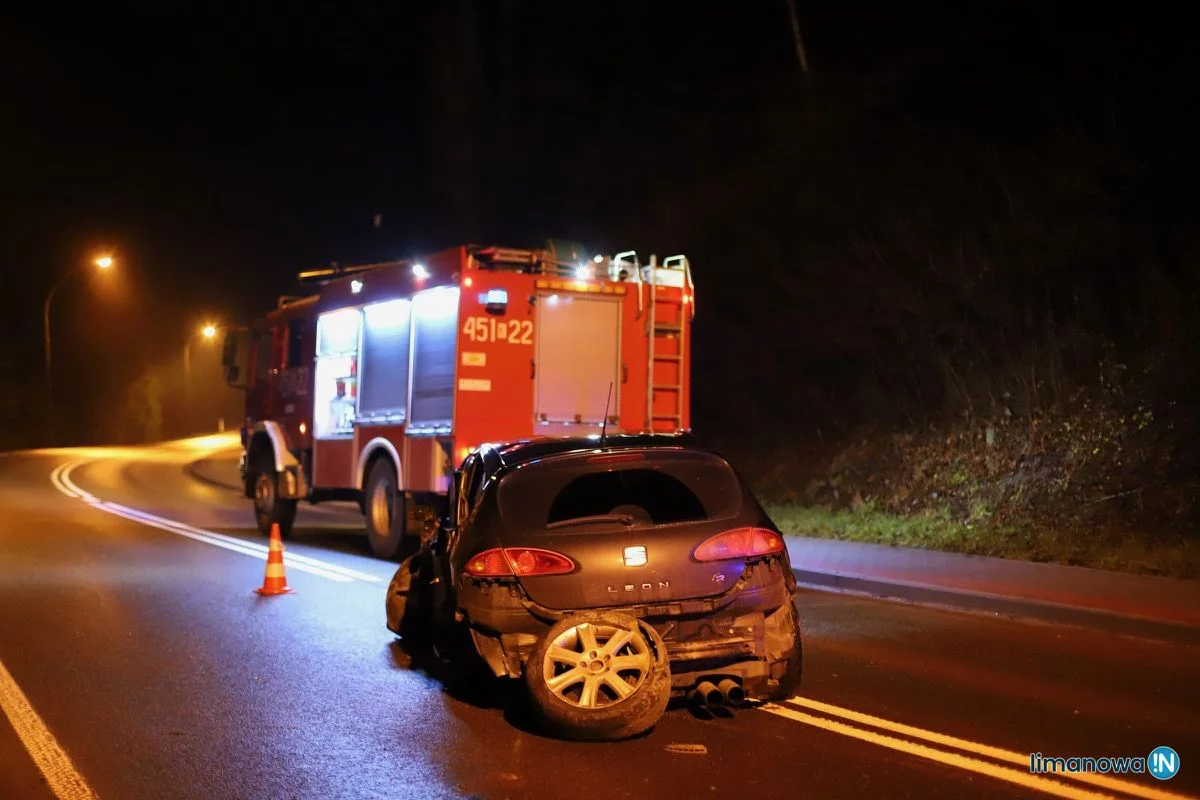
x=269 y=508
x=385 y=510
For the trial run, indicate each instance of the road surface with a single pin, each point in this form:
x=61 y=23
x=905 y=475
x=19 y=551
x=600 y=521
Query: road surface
x=136 y=662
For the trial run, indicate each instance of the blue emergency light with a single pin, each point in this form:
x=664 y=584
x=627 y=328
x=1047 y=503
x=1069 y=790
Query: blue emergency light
x=495 y=301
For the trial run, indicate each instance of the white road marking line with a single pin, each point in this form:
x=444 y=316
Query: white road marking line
x=56 y=479
x=64 y=780
x=64 y=477
x=61 y=478
x=246 y=550
x=289 y=558
x=1026 y=779
x=987 y=751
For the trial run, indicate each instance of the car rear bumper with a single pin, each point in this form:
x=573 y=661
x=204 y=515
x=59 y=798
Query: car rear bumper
x=734 y=635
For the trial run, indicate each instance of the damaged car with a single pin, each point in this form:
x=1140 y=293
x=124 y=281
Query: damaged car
x=611 y=575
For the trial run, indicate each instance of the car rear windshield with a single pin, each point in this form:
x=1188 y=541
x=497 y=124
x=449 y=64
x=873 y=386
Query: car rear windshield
x=581 y=494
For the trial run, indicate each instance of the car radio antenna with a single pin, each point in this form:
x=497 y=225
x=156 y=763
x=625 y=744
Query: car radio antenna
x=604 y=422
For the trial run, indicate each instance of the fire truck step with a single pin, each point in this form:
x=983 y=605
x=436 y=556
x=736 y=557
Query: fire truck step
x=660 y=327
x=667 y=357
x=667 y=387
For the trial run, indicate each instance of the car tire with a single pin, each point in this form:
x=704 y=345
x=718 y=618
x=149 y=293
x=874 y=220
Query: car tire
x=786 y=619
x=269 y=508
x=582 y=700
x=385 y=510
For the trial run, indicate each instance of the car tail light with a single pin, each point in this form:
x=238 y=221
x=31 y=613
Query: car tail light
x=740 y=543
x=519 y=561
x=489 y=564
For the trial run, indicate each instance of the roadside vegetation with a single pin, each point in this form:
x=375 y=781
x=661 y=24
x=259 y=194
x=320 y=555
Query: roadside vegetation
x=1087 y=486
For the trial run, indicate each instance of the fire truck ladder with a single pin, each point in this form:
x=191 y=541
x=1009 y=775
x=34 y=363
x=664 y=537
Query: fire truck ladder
x=667 y=320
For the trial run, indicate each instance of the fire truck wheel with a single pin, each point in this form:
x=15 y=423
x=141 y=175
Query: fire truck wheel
x=385 y=510
x=269 y=508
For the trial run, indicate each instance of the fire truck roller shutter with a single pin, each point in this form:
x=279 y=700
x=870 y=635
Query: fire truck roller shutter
x=383 y=373
x=435 y=340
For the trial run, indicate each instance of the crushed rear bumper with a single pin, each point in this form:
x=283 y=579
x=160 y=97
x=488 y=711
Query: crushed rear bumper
x=744 y=633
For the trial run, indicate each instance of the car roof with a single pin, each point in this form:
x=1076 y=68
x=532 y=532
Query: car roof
x=525 y=450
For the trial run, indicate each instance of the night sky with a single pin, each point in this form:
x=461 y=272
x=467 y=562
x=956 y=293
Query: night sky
x=217 y=150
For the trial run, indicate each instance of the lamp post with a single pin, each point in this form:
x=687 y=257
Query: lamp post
x=102 y=262
x=208 y=332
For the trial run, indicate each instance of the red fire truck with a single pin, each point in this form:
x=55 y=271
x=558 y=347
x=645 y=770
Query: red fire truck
x=374 y=387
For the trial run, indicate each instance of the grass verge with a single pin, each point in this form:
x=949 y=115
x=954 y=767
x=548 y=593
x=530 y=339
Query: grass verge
x=935 y=529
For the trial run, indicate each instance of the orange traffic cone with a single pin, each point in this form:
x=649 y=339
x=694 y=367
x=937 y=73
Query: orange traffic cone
x=274 y=581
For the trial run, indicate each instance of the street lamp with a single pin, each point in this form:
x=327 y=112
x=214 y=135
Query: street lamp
x=209 y=332
x=101 y=262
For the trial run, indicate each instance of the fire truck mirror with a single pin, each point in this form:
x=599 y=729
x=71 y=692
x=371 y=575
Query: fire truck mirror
x=229 y=350
x=295 y=342
x=235 y=359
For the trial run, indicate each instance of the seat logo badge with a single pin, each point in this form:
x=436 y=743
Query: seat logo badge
x=718 y=577
x=635 y=556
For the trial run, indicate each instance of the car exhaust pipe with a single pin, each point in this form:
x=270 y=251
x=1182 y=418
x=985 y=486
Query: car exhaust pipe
x=734 y=694
x=708 y=695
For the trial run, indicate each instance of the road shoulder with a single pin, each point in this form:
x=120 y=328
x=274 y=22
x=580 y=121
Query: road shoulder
x=1137 y=605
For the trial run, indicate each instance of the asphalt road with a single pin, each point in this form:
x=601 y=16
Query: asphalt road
x=136 y=662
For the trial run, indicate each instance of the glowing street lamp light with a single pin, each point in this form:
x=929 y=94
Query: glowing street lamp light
x=102 y=262
x=208 y=332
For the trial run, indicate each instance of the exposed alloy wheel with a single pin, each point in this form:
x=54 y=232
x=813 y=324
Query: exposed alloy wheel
x=386 y=513
x=600 y=676
x=269 y=508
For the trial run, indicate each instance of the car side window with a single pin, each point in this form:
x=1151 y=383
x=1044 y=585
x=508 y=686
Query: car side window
x=470 y=469
x=473 y=483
